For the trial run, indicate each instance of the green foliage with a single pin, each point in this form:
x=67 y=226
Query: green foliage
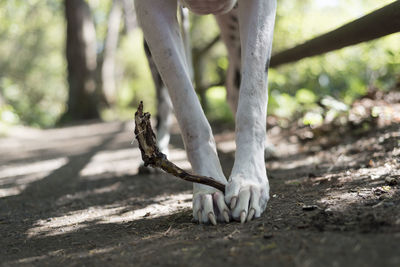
x=32 y=69
x=203 y=30
x=344 y=75
x=305 y=96
x=134 y=81
x=312 y=118
x=33 y=87
x=282 y=104
x=218 y=107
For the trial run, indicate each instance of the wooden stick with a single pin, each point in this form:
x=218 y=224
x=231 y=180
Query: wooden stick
x=152 y=156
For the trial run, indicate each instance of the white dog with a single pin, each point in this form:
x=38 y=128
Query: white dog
x=247 y=30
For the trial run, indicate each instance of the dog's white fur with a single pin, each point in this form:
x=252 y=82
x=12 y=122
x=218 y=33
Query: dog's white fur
x=247 y=190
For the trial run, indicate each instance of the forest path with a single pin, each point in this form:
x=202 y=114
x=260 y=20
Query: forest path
x=72 y=196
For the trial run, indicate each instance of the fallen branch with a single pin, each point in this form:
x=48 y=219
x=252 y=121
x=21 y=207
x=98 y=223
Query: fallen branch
x=152 y=156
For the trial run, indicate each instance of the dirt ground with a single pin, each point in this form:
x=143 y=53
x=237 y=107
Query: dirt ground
x=73 y=197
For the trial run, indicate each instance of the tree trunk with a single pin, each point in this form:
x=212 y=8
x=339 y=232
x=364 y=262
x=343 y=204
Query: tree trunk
x=129 y=15
x=199 y=55
x=110 y=47
x=81 y=58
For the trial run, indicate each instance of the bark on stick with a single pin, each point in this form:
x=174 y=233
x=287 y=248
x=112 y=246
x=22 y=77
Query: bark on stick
x=152 y=156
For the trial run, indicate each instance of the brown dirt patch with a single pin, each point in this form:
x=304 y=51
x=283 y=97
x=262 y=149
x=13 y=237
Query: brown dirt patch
x=72 y=196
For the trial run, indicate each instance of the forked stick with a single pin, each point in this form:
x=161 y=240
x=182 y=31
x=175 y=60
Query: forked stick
x=152 y=156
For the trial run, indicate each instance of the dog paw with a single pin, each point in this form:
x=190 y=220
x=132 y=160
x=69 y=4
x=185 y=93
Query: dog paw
x=246 y=197
x=209 y=207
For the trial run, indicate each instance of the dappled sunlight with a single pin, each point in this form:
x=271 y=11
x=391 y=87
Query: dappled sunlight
x=178 y=157
x=227 y=146
x=29 y=168
x=338 y=200
x=163 y=205
x=66 y=199
x=125 y=161
x=73 y=188
x=344 y=182
x=51 y=254
x=115 y=161
x=16 y=177
x=84 y=130
x=341 y=180
x=52 y=137
x=67 y=141
x=348 y=194
x=75 y=220
x=314 y=161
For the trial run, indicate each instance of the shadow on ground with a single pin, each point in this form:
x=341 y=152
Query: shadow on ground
x=72 y=196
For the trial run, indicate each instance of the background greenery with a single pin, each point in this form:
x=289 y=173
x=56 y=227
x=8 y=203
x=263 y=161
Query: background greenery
x=33 y=86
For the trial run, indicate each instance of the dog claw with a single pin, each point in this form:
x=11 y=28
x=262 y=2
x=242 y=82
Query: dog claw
x=212 y=218
x=226 y=216
x=199 y=216
x=251 y=214
x=233 y=202
x=243 y=216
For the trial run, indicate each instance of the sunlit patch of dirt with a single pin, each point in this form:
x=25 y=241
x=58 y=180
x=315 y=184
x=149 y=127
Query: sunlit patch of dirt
x=73 y=221
x=80 y=201
x=14 y=178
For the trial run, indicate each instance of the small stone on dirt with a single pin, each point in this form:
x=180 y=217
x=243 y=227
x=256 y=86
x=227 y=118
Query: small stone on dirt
x=391 y=181
x=310 y=207
x=268 y=235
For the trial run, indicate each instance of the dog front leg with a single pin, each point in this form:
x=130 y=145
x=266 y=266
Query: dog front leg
x=248 y=188
x=161 y=30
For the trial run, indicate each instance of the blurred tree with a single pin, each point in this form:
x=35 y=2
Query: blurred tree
x=108 y=82
x=204 y=41
x=199 y=56
x=344 y=74
x=81 y=59
x=129 y=15
x=33 y=66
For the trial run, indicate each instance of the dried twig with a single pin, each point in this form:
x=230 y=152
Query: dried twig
x=152 y=156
